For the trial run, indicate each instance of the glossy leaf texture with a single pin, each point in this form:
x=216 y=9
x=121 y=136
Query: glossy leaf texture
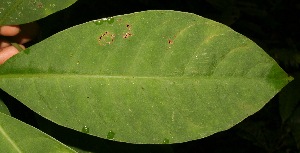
x=150 y=77
x=17 y=136
x=14 y=12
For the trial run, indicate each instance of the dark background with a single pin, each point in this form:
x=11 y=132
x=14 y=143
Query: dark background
x=272 y=24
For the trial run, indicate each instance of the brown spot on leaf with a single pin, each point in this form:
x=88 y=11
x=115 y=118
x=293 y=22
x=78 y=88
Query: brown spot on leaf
x=127 y=34
x=39 y=5
x=106 y=38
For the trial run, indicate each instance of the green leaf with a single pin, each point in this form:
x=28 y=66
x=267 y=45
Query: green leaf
x=16 y=136
x=14 y=12
x=3 y=108
x=82 y=142
x=148 y=77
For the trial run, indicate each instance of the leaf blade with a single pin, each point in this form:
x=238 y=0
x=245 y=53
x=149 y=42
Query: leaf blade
x=15 y=12
x=3 y=108
x=19 y=137
x=183 y=78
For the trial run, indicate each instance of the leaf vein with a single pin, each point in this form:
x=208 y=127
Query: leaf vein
x=14 y=145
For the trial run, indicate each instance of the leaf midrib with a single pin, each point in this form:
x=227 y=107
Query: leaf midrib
x=128 y=76
x=6 y=136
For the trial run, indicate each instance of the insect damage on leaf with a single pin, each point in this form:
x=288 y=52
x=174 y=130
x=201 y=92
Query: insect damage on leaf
x=106 y=38
x=128 y=33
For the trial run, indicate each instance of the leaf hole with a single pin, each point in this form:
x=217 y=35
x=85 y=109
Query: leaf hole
x=128 y=27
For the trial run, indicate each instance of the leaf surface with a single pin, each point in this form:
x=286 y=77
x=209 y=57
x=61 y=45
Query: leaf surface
x=13 y=12
x=19 y=137
x=3 y=108
x=148 y=77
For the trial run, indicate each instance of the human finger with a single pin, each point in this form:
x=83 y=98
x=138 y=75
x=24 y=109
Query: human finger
x=8 y=52
x=4 y=43
x=11 y=30
x=27 y=33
